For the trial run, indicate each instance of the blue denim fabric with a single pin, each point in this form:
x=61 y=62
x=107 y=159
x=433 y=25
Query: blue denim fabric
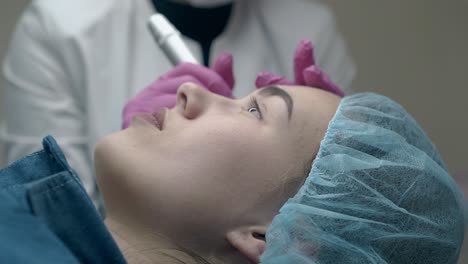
x=46 y=215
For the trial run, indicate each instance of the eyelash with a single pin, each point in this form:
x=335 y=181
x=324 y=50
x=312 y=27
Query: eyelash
x=253 y=103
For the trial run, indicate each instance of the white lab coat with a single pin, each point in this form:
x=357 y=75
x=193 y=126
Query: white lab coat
x=72 y=65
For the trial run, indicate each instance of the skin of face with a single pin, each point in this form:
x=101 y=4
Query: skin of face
x=218 y=164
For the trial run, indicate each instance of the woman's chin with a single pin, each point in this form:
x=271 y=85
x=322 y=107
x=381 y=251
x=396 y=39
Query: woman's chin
x=107 y=156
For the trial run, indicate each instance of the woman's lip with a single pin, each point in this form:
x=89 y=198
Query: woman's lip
x=159 y=117
x=155 y=119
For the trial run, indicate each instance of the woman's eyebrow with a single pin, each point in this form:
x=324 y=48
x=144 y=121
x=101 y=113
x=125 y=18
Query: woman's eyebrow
x=276 y=91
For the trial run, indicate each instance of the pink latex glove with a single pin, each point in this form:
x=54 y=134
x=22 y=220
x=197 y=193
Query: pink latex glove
x=306 y=73
x=163 y=92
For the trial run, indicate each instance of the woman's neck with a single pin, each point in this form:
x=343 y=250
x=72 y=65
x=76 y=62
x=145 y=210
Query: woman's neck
x=141 y=245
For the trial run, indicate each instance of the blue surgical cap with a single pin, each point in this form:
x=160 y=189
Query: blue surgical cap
x=378 y=192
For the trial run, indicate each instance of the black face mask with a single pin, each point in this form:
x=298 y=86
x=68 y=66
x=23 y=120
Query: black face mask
x=200 y=24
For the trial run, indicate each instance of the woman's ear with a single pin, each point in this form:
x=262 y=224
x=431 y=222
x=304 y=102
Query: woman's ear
x=250 y=241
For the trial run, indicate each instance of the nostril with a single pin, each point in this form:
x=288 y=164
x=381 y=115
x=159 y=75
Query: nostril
x=190 y=100
x=182 y=98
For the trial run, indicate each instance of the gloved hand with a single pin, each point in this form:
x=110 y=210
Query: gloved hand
x=163 y=92
x=306 y=73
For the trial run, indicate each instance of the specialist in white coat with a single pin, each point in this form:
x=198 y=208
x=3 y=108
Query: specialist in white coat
x=72 y=65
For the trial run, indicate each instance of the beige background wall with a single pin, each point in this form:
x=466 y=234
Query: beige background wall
x=415 y=51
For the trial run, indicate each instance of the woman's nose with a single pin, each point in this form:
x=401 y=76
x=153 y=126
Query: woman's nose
x=193 y=100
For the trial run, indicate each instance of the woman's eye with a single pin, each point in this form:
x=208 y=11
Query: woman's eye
x=255 y=111
x=254 y=108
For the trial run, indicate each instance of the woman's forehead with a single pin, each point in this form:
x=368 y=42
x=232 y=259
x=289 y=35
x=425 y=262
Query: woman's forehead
x=310 y=103
x=313 y=110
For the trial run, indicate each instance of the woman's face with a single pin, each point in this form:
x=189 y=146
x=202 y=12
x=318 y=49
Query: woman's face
x=217 y=163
